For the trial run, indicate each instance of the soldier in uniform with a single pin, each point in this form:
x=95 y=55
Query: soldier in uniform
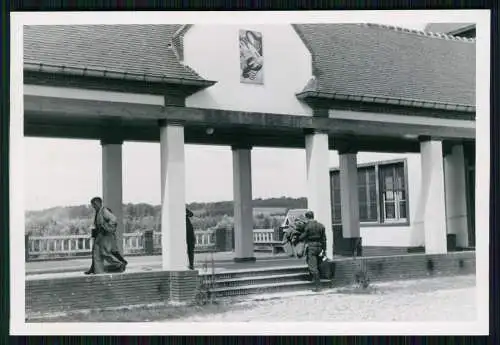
x=315 y=237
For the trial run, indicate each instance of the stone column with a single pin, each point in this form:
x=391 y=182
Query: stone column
x=349 y=241
x=112 y=183
x=432 y=196
x=349 y=196
x=455 y=195
x=173 y=206
x=318 y=183
x=243 y=208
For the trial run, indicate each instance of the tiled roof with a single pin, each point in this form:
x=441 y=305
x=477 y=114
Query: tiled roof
x=447 y=28
x=371 y=61
x=131 y=49
x=368 y=62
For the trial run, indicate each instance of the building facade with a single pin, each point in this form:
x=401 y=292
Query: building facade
x=389 y=193
x=345 y=87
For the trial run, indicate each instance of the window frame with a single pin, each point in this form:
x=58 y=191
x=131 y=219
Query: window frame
x=396 y=200
x=381 y=221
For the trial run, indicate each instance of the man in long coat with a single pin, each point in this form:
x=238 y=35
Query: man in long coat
x=190 y=239
x=105 y=247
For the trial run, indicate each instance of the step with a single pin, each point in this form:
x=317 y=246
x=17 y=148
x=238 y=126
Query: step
x=256 y=280
x=245 y=273
x=265 y=288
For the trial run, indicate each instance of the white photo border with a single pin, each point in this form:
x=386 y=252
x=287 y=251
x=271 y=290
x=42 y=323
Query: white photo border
x=18 y=325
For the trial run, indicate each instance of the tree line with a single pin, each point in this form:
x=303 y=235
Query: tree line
x=77 y=220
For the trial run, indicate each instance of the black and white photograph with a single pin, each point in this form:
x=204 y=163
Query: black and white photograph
x=165 y=187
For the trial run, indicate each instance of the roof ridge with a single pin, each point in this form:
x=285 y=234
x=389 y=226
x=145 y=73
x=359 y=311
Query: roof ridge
x=421 y=32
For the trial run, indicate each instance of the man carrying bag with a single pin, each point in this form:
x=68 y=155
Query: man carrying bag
x=314 y=237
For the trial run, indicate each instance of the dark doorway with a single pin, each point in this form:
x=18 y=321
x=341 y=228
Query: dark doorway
x=471 y=191
x=470 y=185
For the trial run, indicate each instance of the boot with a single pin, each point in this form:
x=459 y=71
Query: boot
x=317 y=283
x=91 y=270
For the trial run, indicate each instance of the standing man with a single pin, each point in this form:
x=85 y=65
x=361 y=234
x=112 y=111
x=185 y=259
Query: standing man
x=315 y=237
x=190 y=239
x=93 y=236
x=105 y=247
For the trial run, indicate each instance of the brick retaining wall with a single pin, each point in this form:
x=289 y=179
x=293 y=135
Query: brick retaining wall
x=415 y=266
x=63 y=294
x=88 y=292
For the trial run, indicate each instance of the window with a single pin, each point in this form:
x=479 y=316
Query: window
x=367 y=194
x=382 y=194
x=392 y=188
x=335 y=188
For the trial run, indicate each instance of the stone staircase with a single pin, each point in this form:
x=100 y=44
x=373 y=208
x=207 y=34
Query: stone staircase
x=258 y=281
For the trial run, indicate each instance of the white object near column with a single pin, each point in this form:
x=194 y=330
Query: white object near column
x=432 y=194
x=318 y=184
x=173 y=207
x=455 y=195
x=349 y=195
x=112 y=183
x=243 y=208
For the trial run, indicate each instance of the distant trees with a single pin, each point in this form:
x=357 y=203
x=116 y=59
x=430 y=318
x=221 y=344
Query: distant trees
x=75 y=220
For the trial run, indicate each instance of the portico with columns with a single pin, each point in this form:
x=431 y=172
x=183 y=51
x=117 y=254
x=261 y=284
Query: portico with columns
x=198 y=99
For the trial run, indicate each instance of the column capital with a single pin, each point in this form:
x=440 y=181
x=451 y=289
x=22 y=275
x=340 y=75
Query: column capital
x=241 y=146
x=346 y=145
x=447 y=148
x=425 y=138
x=321 y=112
x=165 y=123
x=311 y=131
x=111 y=141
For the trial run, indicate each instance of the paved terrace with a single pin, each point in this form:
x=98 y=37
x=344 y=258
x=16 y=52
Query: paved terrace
x=223 y=261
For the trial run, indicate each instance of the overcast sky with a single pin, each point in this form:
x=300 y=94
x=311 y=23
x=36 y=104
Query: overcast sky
x=68 y=172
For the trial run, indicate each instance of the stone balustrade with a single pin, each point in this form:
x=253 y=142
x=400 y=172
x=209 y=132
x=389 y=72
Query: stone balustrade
x=48 y=247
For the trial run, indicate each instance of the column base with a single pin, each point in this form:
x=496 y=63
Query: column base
x=451 y=242
x=183 y=285
x=348 y=246
x=250 y=259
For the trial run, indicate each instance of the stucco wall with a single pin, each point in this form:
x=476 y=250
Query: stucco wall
x=213 y=52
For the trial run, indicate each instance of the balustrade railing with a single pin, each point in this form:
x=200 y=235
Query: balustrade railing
x=263 y=236
x=46 y=247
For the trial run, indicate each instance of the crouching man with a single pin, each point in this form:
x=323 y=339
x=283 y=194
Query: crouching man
x=315 y=238
x=291 y=237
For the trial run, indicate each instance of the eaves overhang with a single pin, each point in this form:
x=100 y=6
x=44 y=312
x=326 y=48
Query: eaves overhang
x=311 y=95
x=82 y=71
